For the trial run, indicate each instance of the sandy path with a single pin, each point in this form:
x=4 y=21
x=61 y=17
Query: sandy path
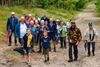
x=59 y=59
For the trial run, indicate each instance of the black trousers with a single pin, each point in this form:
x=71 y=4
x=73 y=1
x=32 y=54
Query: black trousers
x=63 y=42
x=73 y=47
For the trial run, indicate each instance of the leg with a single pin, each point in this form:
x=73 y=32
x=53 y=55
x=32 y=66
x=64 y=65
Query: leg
x=61 y=41
x=65 y=42
x=15 y=39
x=47 y=54
x=10 y=38
x=75 y=52
x=88 y=45
x=70 y=52
x=93 y=48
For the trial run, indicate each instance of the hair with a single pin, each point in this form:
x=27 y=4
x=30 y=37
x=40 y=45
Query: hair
x=28 y=29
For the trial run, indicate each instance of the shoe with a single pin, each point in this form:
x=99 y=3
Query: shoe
x=70 y=60
x=75 y=60
x=39 y=51
x=93 y=54
x=45 y=60
x=9 y=44
x=48 y=59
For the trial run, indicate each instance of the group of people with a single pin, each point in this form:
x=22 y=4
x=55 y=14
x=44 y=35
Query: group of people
x=41 y=31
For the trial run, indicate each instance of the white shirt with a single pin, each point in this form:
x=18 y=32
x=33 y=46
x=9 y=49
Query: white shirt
x=22 y=30
x=88 y=32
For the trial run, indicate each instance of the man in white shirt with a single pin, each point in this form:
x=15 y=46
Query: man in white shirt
x=91 y=38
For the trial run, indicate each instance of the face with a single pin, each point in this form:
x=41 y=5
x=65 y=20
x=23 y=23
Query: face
x=46 y=22
x=42 y=23
x=73 y=25
x=28 y=32
x=45 y=33
x=22 y=21
x=13 y=15
x=90 y=27
x=31 y=23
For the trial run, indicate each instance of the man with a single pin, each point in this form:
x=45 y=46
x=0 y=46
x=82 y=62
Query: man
x=52 y=33
x=74 y=37
x=91 y=37
x=11 y=24
x=21 y=30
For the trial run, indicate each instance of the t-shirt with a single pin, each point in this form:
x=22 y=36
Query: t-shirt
x=45 y=42
x=23 y=28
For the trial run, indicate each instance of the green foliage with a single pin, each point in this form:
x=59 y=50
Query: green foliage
x=98 y=7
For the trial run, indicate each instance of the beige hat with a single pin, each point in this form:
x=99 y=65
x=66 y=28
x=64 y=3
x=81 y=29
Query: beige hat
x=30 y=15
x=12 y=12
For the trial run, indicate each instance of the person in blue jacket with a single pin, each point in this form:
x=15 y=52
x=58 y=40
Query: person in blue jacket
x=11 y=24
x=20 y=30
x=45 y=40
x=52 y=32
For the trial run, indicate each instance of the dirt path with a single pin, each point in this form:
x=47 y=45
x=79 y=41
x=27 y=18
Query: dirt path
x=59 y=59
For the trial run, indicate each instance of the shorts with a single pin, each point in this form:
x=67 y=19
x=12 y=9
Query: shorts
x=45 y=51
x=28 y=50
x=52 y=37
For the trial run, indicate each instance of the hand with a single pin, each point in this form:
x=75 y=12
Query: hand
x=77 y=43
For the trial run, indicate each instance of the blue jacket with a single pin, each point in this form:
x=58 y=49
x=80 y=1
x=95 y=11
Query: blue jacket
x=9 y=23
x=17 y=29
x=53 y=29
x=45 y=42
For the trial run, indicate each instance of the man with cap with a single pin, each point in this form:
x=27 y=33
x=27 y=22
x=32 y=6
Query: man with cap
x=20 y=30
x=74 y=38
x=11 y=24
x=90 y=38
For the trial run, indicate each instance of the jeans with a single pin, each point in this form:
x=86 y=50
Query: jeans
x=10 y=37
x=73 y=46
x=89 y=45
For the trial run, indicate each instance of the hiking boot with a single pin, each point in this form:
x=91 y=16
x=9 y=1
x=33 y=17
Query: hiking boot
x=70 y=60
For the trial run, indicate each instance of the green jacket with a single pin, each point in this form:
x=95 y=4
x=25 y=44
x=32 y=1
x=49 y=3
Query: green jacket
x=63 y=31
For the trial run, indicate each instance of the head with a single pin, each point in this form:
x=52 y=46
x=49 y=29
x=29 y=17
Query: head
x=13 y=14
x=42 y=22
x=31 y=23
x=73 y=25
x=46 y=22
x=45 y=33
x=36 y=22
x=36 y=16
x=51 y=20
x=30 y=15
x=62 y=23
x=90 y=25
x=57 y=21
x=22 y=20
x=28 y=31
x=26 y=17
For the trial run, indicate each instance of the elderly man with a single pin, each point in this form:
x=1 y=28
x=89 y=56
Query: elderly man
x=91 y=37
x=21 y=29
x=11 y=24
x=74 y=37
